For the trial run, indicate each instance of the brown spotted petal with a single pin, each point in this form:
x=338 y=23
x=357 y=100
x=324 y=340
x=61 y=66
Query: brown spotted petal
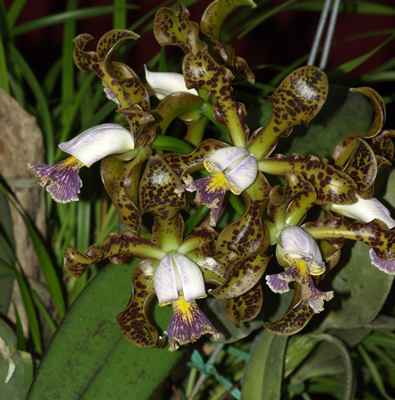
x=196 y=239
x=157 y=190
x=297 y=100
x=133 y=320
x=181 y=104
x=383 y=143
x=88 y=61
x=184 y=164
x=293 y=321
x=118 y=247
x=375 y=234
x=332 y=186
x=211 y=25
x=362 y=167
x=140 y=123
x=176 y=29
x=121 y=181
x=243 y=275
x=245 y=307
x=347 y=146
x=201 y=71
x=214 y=269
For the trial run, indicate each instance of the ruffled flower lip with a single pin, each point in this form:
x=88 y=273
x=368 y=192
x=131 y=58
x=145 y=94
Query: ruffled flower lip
x=385 y=266
x=62 y=178
x=188 y=324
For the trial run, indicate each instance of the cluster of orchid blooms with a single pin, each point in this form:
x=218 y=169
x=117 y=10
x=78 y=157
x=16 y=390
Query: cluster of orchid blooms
x=232 y=261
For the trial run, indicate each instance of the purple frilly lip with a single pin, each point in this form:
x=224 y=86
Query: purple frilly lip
x=385 y=266
x=188 y=324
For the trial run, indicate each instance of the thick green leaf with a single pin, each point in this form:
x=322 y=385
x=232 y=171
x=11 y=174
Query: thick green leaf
x=7 y=252
x=263 y=374
x=88 y=356
x=360 y=290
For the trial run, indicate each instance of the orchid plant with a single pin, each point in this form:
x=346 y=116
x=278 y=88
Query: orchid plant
x=235 y=259
x=290 y=215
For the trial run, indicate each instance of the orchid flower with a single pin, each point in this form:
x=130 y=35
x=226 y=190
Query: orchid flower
x=301 y=252
x=161 y=84
x=85 y=149
x=367 y=210
x=179 y=281
x=231 y=168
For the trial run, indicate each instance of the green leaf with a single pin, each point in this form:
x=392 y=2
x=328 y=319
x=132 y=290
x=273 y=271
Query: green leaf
x=88 y=356
x=7 y=254
x=360 y=290
x=344 y=112
x=263 y=374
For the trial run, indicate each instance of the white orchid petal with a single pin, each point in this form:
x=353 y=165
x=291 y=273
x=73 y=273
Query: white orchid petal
x=165 y=83
x=244 y=174
x=99 y=142
x=297 y=243
x=226 y=156
x=365 y=210
x=191 y=276
x=165 y=281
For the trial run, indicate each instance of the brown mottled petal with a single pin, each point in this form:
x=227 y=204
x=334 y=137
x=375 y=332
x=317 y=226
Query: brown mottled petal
x=201 y=71
x=382 y=162
x=118 y=247
x=136 y=117
x=242 y=277
x=176 y=105
x=362 y=166
x=246 y=307
x=298 y=207
x=211 y=25
x=121 y=183
x=84 y=59
x=332 y=186
x=157 y=190
x=184 y=164
x=293 y=321
x=176 y=29
x=297 y=100
x=247 y=235
x=168 y=233
x=335 y=230
x=383 y=143
x=110 y=39
x=379 y=109
x=196 y=238
x=124 y=79
x=133 y=320
x=214 y=269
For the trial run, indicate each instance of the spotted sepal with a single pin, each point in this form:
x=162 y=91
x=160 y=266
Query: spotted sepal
x=181 y=104
x=99 y=62
x=201 y=71
x=176 y=29
x=336 y=230
x=383 y=144
x=347 y=146
x=211 y=25
x=245 y=307
x=248 y=236
x=121 y=182
x=133 y=320
x=141 y=124
x=362 y=168
x=242 y=277
x=297 y=100
x=118 y=247
x=332 y=186
x=157 y=190
x=184 y=164
x=294 y=320
x=197 y=238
